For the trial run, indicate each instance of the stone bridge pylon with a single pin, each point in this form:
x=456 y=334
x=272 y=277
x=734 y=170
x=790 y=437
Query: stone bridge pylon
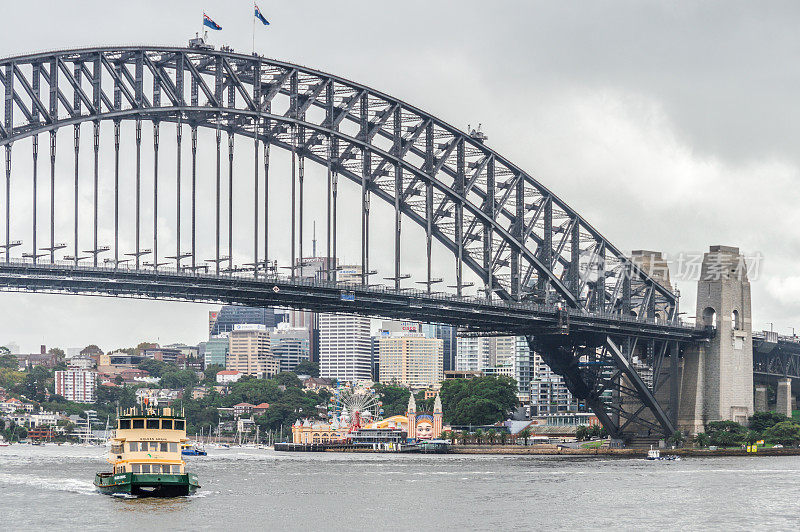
x=717 y=380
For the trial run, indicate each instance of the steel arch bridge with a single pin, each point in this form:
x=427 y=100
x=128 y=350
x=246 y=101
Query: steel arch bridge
x=541 y=270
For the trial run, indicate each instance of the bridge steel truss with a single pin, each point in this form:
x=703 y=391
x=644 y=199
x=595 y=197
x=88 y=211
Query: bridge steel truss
x=775 y=356
x=521 y=241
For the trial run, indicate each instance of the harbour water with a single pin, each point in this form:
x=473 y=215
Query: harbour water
x=50 y=487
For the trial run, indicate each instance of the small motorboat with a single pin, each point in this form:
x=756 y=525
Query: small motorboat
x=192 y=450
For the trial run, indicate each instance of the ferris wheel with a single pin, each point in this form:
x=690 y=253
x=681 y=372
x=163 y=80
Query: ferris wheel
x=354 y=406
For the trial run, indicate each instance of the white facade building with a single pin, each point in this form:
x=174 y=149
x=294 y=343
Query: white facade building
x=345 y=347
x=77 y=385
x=345 y=344
x=484 y=353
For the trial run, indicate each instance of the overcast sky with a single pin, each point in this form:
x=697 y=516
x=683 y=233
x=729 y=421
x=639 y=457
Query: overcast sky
x=668 y=125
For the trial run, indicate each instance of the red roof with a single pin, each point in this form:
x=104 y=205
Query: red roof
x=262 y=405
x=244 y=404
x=227 y=372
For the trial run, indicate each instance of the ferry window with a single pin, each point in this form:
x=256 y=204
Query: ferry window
x=152 y=423
x=165 y=468
x=173 y=447
x=163 y=446
x=133 y=446
x=145 y=468
x=136 y=468
x=178 y=425
x=124 y=423
x=153 y=445
x=166 y=424
x=138 y=423
x=176 y=470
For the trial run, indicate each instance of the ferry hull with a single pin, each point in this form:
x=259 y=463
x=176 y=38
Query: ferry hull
x=146 y=485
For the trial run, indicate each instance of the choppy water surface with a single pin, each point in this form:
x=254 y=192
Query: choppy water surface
x=51 y=487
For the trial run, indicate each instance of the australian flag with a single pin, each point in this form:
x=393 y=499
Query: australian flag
x=260 y=17
x=210 y=23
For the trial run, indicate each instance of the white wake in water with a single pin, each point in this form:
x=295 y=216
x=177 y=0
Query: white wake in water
x=72 y=485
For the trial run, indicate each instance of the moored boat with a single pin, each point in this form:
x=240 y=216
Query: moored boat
x=146 y=455
x=189 y=449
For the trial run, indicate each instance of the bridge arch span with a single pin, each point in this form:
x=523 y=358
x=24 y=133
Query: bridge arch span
x=521 y=240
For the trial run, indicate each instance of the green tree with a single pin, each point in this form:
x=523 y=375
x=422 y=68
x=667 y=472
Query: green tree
x=726 y=433
x=287 y=378
x=478 y=436
x=784 y=433
x=676 y=438
x=38 y=382
x=751 y=437
x=178 y=379
x=253 y=391
x=491 y=435
x=394 y=398
x=9 y=362
x=156 y=368
x=307 y=368
x=761 y=421
x=702 y=439
x=57 y=352
x=463 y=437
x=582 y=433
x=597 y=431
x=525 y=434
x=479 y=401
x=210 y=373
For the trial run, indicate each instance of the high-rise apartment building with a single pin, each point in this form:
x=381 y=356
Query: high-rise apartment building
x=482 y=353
x=473 y=353
x=410 y=359
x=76 y=385
x=249 y=351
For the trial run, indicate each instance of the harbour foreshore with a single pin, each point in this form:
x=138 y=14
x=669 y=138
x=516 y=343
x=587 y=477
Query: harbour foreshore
x=604 y=451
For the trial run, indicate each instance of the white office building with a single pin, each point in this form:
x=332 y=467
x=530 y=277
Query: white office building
x=345 y=347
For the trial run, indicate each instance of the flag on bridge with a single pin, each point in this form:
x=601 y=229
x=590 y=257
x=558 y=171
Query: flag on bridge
x=259 y=16
x=210 y=23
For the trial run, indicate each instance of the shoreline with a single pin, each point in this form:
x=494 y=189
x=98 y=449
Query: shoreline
x=548 y=450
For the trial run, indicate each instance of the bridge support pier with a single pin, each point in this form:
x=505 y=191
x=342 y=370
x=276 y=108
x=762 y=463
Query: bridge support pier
x=784 y=405
x=718 y=374
x=760 y=399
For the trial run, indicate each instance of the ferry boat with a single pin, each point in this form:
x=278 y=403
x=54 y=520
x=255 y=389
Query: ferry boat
x=146 y=455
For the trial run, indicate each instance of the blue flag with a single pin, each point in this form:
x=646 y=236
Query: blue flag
x=210 y=23
x=260 y=17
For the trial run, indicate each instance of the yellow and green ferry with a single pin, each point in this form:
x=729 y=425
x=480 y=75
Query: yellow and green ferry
x=146 y=455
